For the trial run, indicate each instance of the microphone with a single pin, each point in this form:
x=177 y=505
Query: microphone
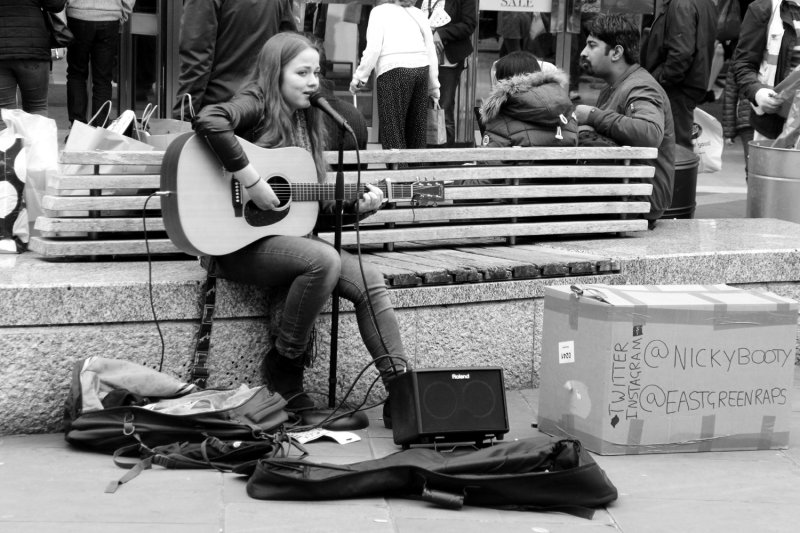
x=319 y=101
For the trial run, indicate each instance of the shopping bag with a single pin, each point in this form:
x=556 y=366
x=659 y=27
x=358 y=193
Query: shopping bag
x=160 y=132
x=83 y=138
x=707 y=141
x=790 y=135
x=436 y=132
x=35 y=162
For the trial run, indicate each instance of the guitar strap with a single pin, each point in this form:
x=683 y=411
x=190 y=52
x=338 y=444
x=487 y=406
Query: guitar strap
x=199 y=371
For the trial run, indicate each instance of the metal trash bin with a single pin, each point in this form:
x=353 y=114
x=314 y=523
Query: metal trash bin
x=773 y=182
x=684 y=190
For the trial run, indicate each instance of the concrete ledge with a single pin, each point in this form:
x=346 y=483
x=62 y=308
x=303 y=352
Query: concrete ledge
x=55 y=313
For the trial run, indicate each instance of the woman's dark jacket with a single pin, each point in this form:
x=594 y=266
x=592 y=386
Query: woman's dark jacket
x=23 y=34
x=532 y=109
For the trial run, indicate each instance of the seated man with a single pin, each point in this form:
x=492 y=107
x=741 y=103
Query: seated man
x=633 y=110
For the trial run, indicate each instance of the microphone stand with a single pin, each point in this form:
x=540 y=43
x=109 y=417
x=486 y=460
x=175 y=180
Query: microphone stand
x=325 y=418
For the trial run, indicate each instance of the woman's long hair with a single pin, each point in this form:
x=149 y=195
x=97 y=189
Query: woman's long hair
x=279 y=128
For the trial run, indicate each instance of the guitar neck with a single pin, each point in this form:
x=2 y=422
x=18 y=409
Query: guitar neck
x=304 y=192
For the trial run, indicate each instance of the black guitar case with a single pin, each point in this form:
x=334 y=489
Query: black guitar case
x=541 y=473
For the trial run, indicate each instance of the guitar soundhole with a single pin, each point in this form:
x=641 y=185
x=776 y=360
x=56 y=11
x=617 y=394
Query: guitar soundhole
x=259 y=218
x=282 y=189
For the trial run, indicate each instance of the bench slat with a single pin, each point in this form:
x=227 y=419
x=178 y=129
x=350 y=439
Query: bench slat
x=548 y=191
x=72 y=248
x=107 y=224
x=536 y=153
x=537 y=256
x=430 y=269
x=69 y=182
x=98 y=203
x=502 y=211
x=433 y=233
x=115 y=157
x=499 y=172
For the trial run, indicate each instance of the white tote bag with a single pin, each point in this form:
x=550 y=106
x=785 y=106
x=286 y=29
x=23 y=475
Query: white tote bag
x=707 y=140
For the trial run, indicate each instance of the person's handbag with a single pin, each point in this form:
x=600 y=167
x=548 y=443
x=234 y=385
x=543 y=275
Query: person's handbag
x=60 y=34
x=707 y=140
x=436 y=131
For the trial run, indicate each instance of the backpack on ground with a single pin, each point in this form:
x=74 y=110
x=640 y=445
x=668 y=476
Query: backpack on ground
x=114 y=404
x=541 y=473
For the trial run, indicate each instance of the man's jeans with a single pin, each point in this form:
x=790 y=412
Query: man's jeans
x=95 y=44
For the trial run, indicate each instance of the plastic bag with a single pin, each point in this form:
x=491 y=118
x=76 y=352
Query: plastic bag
x=790 y=135
x=707 y=141
x=37 y=160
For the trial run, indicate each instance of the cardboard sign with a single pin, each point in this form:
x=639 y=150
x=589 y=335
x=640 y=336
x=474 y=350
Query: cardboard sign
x=659 y=369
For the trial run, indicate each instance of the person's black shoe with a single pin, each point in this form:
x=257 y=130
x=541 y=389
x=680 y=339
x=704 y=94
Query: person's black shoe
x=284 y=376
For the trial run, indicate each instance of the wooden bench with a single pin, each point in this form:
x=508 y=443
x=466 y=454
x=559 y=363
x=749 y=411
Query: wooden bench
x=491 y=197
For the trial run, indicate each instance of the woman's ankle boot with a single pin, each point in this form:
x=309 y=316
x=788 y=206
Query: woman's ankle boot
x=284 y=376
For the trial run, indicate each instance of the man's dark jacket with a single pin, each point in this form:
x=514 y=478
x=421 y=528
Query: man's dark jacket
x=680 y=46
x=219 y=44
x=749 y=52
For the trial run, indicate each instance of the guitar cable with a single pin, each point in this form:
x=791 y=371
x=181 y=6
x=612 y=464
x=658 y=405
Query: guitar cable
x=150 y=273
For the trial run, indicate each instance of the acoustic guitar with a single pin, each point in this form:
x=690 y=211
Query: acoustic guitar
x=207 y=212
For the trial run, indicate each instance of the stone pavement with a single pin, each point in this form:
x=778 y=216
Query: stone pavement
x=45 y=486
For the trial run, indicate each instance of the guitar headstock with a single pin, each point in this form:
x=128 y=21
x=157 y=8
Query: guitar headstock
x=427 y=193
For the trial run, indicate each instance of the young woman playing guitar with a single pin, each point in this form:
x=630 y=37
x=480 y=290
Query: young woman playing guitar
x=274 y=110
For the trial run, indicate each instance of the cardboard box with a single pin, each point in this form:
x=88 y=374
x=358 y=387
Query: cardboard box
x=659 y=369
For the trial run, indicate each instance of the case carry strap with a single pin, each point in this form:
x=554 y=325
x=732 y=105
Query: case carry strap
x=199 y=372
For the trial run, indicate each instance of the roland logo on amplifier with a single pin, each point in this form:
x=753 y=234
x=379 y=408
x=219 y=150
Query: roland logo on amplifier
x=459 y=376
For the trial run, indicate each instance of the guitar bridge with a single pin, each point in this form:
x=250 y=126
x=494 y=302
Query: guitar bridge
x=236 y=197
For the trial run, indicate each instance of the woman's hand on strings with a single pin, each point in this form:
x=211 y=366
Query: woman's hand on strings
x=263 y=196
x=372 y=200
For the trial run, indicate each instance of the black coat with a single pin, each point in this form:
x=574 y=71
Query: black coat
x=750 y=51
x=219 y=44
x=680 y=46
x=457 y=34
x=23 y=34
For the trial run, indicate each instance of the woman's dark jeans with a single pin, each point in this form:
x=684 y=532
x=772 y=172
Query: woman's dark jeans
x=32 y=76
x=311 y=268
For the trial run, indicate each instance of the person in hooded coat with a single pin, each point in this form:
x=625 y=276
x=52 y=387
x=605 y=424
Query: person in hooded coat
x=528 y=107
